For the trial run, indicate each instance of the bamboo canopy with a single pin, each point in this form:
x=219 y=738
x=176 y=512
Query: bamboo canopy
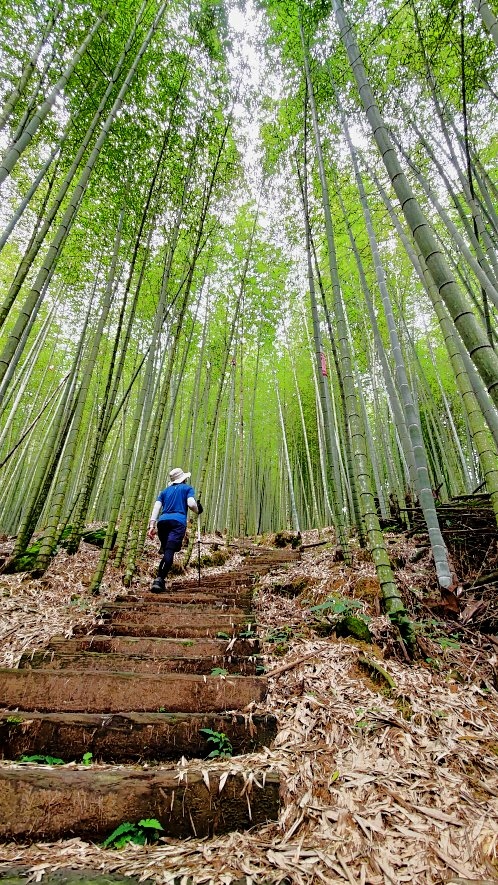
x=188 y=244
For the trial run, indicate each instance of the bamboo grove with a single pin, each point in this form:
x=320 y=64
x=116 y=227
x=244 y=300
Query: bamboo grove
x=312 y=333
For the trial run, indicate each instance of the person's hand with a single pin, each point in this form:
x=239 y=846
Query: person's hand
x=200 y=508
x=152 y=531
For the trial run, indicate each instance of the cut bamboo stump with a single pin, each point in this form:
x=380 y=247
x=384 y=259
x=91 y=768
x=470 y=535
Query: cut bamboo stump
x=140 y=690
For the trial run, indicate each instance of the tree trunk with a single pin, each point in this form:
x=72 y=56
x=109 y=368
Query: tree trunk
x=471 y=332
x=15 y=150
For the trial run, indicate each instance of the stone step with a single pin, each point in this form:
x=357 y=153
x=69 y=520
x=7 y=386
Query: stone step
x=182 y=591
x=156 y=604
x=155 y=647
x=254 y=564
x=53 y=803
x=214 y=597
x=233 y=580
x=70 y=691
x=269 y=557
x=52 y=660
x=201 y=625
x=127 y=737
x=174 y=614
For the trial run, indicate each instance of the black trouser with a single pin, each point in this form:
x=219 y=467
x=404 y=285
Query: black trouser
x=170 y=533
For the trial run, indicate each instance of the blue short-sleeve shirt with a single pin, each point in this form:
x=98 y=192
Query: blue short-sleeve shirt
x=174 y=502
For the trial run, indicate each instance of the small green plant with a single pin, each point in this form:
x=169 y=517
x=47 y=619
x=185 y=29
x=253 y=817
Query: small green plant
x=187 y=642
x=222 y=748
x=219 y=671
x=429 y=622
x=447 y=642
x=248 y=633
x=161 y=709
x=280 y=634
x=365 y=725
x=142 y=833
x=14 y=720
x=345 y=616
x=337 y=605
x=43 y=760
x=433 y=629
x=87 y=758
x=222 y=635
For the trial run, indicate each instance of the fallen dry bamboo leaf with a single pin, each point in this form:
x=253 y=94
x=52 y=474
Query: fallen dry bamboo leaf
x=346 y=871
x=431 y=745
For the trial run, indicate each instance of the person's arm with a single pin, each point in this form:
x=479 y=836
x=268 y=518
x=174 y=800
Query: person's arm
x=196 y=506
x=153 y=519
x=192 y=505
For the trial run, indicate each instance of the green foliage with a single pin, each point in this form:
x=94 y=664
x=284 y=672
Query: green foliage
x=25 y=562
x=142 y=833
x=337 y=605
x=338 y=610
x=216 y=558
x=180 y=116
x=43 y=759
x=87 y=758
x=209 y=25
x=222 y=747
x=249 y=633
x=336 y=614
x=448 y=642
x=280 y=634
x=363 y=724
x=219 y=671
x=280 y=637
x=434 y=628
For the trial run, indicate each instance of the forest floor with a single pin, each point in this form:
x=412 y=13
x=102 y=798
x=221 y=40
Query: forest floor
x=389 y=767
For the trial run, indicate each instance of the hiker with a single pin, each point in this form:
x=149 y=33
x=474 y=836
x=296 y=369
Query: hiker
x=169 y=521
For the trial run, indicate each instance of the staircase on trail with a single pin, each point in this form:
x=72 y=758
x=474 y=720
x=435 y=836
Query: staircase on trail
x=135 y=693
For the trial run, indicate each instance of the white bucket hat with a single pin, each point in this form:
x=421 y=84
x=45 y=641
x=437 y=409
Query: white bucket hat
x=177 y=475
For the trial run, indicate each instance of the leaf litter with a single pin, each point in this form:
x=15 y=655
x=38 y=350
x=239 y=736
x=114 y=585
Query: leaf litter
x=379 y=784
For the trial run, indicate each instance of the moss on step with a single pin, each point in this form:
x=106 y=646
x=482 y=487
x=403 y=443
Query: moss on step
x=292 y=588
x=216 y=558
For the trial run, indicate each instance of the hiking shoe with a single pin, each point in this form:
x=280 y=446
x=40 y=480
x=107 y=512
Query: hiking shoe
x=158 y=586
